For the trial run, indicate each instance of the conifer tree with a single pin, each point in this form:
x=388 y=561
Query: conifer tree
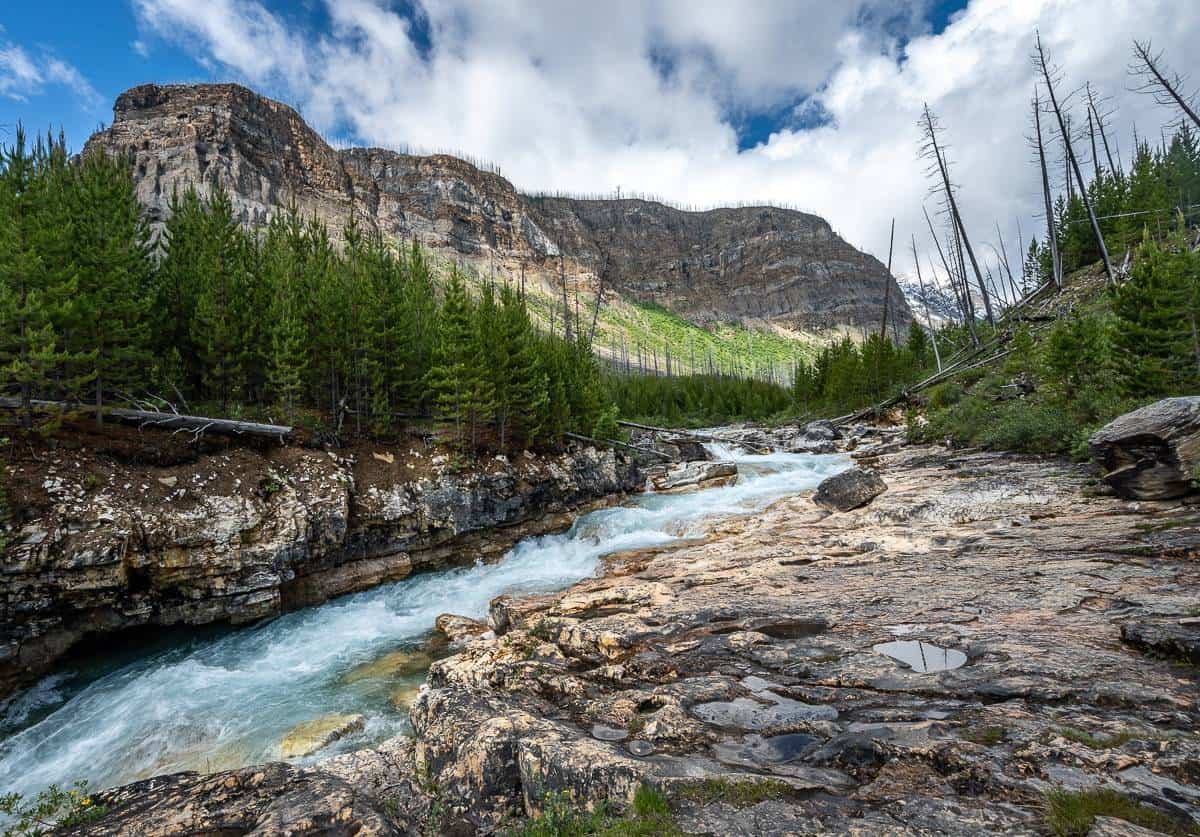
x=108 y=329
x=288 y=328
x=218 y=327
x=1154 y=336
x=520 y=384
x=448 y=376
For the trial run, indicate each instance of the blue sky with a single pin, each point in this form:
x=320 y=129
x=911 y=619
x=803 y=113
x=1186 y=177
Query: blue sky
x=112 y=50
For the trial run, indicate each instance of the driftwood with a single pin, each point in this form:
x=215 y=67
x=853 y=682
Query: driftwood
x=198 y=425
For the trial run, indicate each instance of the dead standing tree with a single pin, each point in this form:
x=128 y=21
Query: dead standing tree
x=925 y=301
x=887 y=285
x=1055 y=259
x=933 y=149
x=962 y=294
x=1165 y=86
x=1048 y=75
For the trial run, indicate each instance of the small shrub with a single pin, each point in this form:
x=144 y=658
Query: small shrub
x=1034 y=428
x=52 y=809
x=946 y=394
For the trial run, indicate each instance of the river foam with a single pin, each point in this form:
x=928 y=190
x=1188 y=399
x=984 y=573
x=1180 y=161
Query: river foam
x=213 y=702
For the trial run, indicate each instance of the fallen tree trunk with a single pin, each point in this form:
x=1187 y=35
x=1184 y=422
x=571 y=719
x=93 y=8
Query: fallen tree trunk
x=1152 y=453
x=166 y=421
x=702 y=437
x=617 y=444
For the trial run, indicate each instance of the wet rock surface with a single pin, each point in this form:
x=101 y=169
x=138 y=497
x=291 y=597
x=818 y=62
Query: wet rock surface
x=309 y=737
x=247 y=534
x=752 y=655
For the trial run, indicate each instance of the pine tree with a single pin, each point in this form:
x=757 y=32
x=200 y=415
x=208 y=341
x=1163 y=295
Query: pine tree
x=288 y=327
x=482 y=359
x=448 y=376
x=218 y=322
x=1154 y=337
x=520 y=385
x=108 y=329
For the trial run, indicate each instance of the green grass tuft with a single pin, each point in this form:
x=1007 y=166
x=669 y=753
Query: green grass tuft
x=1071 y=813
x=649 y=816
x=740 y=793
x=986 y=735
x=1097 y=742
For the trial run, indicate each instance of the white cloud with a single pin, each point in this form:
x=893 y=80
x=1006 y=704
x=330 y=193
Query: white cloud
x=645 y=95
x=22 y=76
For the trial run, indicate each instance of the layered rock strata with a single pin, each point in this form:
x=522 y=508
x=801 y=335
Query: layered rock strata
x=247 y=534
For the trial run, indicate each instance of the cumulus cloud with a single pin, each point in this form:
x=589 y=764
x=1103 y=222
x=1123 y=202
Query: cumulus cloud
x=22 y=75
x=586 y=97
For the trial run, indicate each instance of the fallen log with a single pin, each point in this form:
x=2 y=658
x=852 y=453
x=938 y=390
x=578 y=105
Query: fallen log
x=692 y=434
x=165 y=421
x=617 y=444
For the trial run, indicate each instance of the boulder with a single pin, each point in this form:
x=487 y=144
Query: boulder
x=1152 y=453
x=849 y=490
x=821 y=430
x=306 y=738
x=694 y=475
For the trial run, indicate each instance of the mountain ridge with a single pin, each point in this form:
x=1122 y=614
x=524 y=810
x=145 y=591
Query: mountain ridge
x=720 y=265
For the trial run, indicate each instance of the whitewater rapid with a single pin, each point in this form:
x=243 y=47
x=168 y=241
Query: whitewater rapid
x=216 y=700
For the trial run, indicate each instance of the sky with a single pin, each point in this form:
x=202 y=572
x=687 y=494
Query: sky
x=806 y=103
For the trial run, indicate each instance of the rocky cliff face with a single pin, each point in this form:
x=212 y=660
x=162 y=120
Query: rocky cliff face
x=725 y=264
x=245 y=534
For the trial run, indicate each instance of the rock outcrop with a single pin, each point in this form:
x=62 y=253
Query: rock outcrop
x=1152 y=453
x=247 y=534
x=724 y=264
x=752 y=677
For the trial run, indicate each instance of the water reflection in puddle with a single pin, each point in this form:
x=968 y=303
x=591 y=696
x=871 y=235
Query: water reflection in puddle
x=922 y=657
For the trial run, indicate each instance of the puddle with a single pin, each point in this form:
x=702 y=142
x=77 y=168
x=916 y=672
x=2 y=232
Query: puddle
x=755 y=751
x=747 y=713
x=641 y=748
x=794 y=628
x=608 y=733
x=922 y=657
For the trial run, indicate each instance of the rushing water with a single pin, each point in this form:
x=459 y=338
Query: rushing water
x=216 y=700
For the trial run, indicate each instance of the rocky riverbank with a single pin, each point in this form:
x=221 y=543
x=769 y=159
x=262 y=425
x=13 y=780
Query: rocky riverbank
x=237 y=535
x=988 y=629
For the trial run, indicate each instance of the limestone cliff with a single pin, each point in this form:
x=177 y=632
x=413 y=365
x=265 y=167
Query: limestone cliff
x=721 y=265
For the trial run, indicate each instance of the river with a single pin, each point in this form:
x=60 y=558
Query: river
x=220 y=699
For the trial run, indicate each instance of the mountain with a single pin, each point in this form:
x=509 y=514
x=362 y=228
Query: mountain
x=776 y=269
x=942 y=305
